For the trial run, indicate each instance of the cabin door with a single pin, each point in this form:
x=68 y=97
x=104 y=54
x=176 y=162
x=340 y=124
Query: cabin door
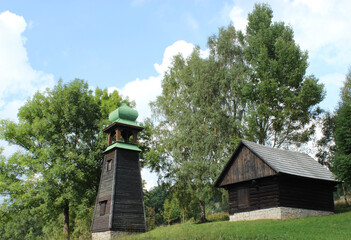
x=243 y=198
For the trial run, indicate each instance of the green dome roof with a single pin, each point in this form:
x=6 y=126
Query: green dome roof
x=124 y=112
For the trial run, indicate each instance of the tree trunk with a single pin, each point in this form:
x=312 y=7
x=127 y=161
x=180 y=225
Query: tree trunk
x=203 y=212
x=66 y=232
x=183 y=213
x=345 y=195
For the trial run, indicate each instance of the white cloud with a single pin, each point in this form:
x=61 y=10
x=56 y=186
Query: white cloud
x=17 y=78
x=179 y=47
x=335 y=79
x=142 y=92
x=10 y=110
x=239 y=18
x=321 y=27
x=13 y=23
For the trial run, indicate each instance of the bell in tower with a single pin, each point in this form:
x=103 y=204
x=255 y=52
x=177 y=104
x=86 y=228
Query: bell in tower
x=119 y=208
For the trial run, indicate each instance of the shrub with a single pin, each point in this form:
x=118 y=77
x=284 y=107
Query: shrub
x=342 y=207
x=221 y=216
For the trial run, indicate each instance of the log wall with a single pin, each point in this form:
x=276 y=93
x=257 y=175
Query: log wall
x=253 y=195
x=306 y=193
x=281 y=191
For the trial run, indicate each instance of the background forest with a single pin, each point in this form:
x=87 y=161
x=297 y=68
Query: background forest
x=252 y=85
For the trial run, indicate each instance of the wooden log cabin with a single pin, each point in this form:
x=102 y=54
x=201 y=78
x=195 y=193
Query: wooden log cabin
x=269 y=183
x=119 y=208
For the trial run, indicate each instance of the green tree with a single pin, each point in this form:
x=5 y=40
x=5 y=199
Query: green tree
x=150 y=218
x=327 y=148
x=326 y=144
x=282 y=100
x=250 y=86
x=157 y=197
x=171 y=211
x=58 y=169
x=196 y=124
x=154 y=199
x=342 y=160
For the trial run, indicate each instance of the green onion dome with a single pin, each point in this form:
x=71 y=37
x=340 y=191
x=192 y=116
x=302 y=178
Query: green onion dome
x=124 y=112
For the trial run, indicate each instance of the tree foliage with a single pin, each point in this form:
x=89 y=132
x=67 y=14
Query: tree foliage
x=171 y=210
x=283 y=101
x=251 y=86
x=57 y=170
x=335 y=144
x=342 y=134
x=326 y=144
x=154 y=200
x=192 y=133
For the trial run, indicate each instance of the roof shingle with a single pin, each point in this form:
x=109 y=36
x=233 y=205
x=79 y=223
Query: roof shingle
x=289 y=162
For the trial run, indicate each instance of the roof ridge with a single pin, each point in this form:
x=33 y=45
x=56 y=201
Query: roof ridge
x=280 y=149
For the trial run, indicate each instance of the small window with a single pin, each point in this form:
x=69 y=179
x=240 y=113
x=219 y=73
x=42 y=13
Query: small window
x=109 y=165
x=103 y=207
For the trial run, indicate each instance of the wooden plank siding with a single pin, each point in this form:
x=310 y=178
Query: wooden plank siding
x=306 y=193
x=122 y=187
x=247 y=166
x=128 y=214
x=101 y=222
x=261 y=193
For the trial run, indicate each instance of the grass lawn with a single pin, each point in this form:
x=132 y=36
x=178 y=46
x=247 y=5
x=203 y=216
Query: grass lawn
x=337 y=226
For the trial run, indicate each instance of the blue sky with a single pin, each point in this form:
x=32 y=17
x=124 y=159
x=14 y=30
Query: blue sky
x=109 y=42
x=128 y=45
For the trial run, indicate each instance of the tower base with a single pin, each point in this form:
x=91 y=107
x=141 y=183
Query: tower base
x=277 y=213
x=108 y=235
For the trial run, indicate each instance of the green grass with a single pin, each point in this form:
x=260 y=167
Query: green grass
x=337 y=226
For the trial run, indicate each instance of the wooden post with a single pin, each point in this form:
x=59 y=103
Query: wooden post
x=109 y=139
x=118 y=134
x=135 y=137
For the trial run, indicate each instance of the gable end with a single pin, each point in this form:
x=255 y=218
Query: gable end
x=244 y=165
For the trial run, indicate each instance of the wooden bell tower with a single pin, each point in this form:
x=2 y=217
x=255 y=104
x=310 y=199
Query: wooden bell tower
x=119 y=208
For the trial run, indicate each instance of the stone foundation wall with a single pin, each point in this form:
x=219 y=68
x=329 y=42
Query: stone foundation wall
x=108 y=235
x=277 y=213
x=299 y=212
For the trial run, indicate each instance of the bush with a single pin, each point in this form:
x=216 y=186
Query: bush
x=222 y=216
x=340 y=204
x=171 y=211
x=150 y=218
x=341 y=207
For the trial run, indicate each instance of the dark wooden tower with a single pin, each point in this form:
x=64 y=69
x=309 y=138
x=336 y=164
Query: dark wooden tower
x=119 y=208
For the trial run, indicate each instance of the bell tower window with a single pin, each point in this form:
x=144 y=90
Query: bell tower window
x=103 y=207
x=109 y=165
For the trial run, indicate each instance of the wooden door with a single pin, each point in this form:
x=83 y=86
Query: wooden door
x=243 y=198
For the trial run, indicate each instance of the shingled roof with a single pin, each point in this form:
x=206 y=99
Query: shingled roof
x=284 y=161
